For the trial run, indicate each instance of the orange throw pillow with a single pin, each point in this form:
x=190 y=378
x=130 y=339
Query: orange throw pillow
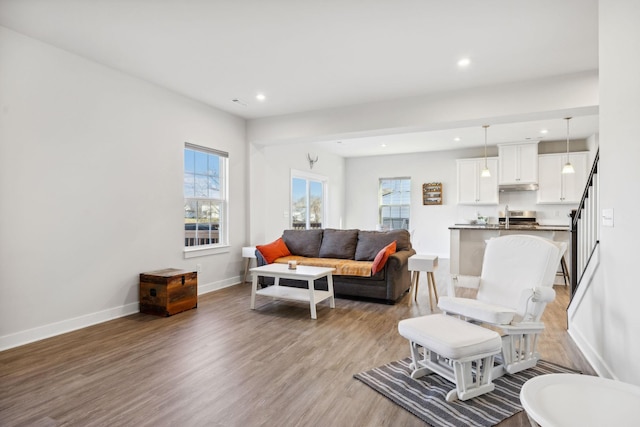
x=381 y=259
x=273 y=250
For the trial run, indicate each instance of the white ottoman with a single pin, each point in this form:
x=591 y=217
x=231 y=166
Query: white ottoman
x=457 y=350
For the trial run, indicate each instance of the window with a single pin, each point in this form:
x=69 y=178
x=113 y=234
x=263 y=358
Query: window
x=394 y=203
x=205 y=196
x=307 y=200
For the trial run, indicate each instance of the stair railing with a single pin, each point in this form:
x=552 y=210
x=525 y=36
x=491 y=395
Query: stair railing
x=585 y=230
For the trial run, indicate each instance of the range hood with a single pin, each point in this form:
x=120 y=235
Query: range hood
x=517 y=187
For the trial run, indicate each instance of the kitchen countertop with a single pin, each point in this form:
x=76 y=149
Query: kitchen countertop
x=468 y=242
x=511 y=227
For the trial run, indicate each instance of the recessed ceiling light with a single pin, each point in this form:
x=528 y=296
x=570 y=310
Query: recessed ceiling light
x=464 y=62
x=383 y=145
x=456 y=139
x=544 y=131
x=261 y=97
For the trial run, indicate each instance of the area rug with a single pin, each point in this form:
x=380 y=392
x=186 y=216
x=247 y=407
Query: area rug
x=425 y=397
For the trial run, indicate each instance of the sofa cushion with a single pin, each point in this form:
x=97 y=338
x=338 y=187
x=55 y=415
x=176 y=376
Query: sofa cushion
x=344 y=267
x=339 y=244
x=370 y=242
x=381 y=258
x=303 y=242
x=274 y=250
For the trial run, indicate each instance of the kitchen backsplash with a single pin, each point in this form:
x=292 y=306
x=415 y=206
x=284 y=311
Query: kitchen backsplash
x=518 y=200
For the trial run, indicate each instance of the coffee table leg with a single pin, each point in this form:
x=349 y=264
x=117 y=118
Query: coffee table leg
x=332 y=300
x=312 y=300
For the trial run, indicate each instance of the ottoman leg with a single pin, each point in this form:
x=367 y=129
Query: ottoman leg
x=418 y=368
x=467 y=386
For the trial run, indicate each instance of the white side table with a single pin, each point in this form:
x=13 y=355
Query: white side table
x=418 y=263
x=558 y=400
x=248 y=253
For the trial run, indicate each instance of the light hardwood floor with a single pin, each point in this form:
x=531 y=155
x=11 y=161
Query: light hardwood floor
x=223 y=364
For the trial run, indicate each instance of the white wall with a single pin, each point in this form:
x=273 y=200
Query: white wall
x=607 y=323
x=91 y=188
x=270 y=176
x=428 y=223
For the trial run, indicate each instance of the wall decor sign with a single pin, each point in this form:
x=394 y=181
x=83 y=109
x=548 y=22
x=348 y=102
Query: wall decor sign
x=432 y=193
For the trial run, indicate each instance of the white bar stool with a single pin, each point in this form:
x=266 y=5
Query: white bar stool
x=565 y=271
x=418 y=263
x=248 y=253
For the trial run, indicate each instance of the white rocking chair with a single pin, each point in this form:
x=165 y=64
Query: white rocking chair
x=513 y=290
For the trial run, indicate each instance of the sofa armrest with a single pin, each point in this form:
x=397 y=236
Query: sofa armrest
x=260 y=261
x=397 y=274
x=262 y=281
x=399 y=259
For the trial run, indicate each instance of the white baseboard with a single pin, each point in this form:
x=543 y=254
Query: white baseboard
x=64 y=326
x=592 y=356
x=68 y=325
x=214 y=286
x=594 y=359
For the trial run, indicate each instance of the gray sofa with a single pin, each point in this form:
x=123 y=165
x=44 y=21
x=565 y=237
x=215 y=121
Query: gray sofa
x=388 y=285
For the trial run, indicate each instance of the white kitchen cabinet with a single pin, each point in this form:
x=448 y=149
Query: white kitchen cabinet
x=556 y=187
x=518 y=163
x=472 y=188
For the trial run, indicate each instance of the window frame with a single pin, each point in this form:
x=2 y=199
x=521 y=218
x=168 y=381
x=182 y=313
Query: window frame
x=223 y=201
x=381 y=205
x=307 y=176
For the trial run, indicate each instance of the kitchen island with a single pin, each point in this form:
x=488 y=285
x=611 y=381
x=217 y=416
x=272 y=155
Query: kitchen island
x=469 y=241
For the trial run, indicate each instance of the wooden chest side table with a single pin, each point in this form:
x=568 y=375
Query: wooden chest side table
x=169 y=291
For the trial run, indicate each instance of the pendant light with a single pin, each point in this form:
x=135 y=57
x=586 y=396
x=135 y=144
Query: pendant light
x=486 y=173
x=568 y=167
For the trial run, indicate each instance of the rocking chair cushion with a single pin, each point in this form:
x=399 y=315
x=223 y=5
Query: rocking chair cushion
x=477 y=310
x=450 y=337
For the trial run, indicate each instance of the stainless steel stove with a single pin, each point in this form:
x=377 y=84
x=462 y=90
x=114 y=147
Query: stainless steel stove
x=518 y=218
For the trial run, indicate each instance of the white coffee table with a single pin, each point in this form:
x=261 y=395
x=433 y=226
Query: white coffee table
x=282 y=271
x=558 y=400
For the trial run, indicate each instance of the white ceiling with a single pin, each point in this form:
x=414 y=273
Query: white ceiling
x=314 y=54
x=452 y=139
